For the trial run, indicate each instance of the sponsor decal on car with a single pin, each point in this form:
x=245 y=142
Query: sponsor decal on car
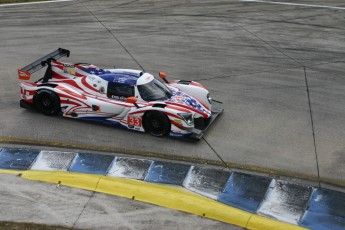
x=176 y=134
x=68 y=68
x=121 y=98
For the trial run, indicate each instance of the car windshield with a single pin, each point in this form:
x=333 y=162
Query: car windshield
x=154 y=90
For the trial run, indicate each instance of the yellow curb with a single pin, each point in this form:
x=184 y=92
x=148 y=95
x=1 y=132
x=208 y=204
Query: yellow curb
x=14 y=172
x=262 y=223
x=163 y=195
x=76 y=180
x=173 y=197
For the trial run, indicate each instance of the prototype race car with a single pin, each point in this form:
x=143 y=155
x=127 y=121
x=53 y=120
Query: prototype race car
x=131 y=99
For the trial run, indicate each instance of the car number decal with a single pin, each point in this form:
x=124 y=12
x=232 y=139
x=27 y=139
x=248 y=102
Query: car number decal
x=134 y=121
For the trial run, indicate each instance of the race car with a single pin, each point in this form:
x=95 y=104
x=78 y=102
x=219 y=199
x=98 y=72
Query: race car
x=132 y=99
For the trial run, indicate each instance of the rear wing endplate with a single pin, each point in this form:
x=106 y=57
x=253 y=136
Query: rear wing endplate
x=25 y=72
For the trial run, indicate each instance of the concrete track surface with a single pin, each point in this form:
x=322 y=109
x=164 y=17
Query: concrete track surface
x=279 y=69
x=48 y=204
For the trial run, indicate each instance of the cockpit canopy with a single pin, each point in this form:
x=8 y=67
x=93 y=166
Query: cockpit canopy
x=122 y=85
x=120 y=78
x=154 y=91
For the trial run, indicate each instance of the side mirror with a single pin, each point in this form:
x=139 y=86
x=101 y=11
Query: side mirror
x=163 y=76
x=132 y=100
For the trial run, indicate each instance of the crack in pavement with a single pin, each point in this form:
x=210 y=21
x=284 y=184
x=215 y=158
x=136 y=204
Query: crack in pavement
x=312 y=125
x=113 y=35
x=311 y=66
x=87 y=202
x=215 y=152
x=308 y=96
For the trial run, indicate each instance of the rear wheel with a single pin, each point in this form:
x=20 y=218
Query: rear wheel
x=47 y=102
x=157 y=123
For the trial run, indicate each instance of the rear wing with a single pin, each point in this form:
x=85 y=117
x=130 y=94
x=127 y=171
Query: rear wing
x=25 y=72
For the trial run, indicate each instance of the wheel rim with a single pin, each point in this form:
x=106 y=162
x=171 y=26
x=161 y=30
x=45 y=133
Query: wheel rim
x=46 y=104
x=156 y=126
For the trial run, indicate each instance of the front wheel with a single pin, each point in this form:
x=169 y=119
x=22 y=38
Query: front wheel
x=157 y=123
x=47 y=102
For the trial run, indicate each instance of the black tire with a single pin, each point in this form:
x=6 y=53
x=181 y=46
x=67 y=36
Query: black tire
x=47 y=102
x=157 y=123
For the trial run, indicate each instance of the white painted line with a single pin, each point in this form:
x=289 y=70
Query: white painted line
x=132 y=168
x=194 y=183
x=53 y=160
x=33 y=3
x=296 y=4
x=285 y=201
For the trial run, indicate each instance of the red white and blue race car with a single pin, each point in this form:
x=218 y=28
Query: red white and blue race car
x=132 y=99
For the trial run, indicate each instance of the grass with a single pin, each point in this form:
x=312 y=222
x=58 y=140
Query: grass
x=30 y=226
x=18 y=1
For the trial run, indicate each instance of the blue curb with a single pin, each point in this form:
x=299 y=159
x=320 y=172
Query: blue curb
x=91 y=163
x=245 y=191
x=325 y=210
x=17 y=158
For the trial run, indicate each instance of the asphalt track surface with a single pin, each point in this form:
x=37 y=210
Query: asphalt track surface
x=279 y=69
